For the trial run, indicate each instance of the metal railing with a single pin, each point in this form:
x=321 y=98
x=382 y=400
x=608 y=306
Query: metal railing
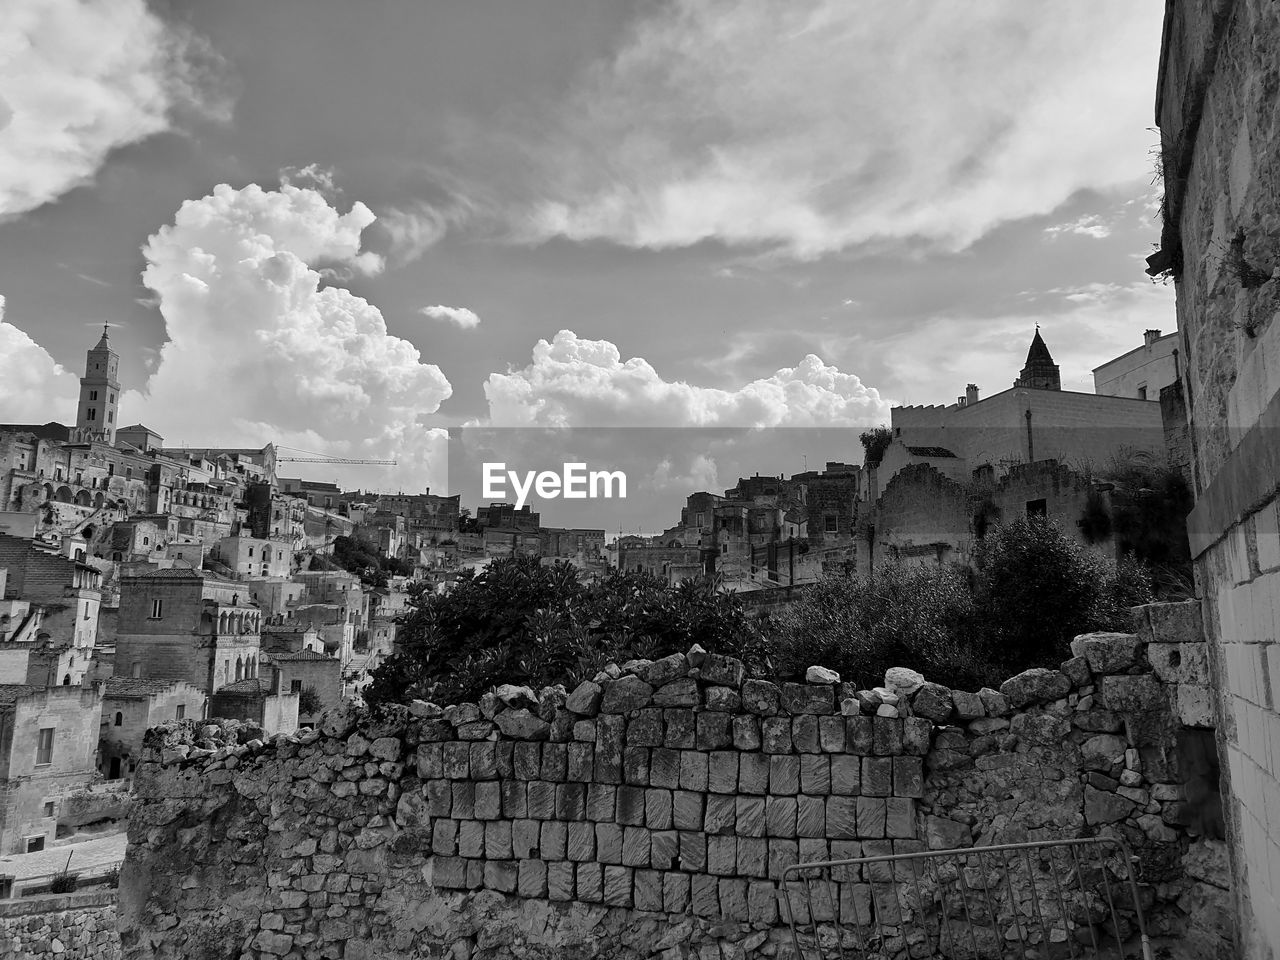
x=1017 y=901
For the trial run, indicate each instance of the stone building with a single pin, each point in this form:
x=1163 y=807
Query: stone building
x=188 y=625
x=99 y=394
x=132 y=706
x=1220 y=150
x=256 y=557
x=1142 y=372
x=257 y=700
x=48 y=743
x=308 y=670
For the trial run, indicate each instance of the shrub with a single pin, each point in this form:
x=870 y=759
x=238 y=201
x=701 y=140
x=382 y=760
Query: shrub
x=308 y=701
x=64 y=882
x=921 y=616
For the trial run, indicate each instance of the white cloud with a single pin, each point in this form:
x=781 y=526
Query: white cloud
x=34 y=388
x=576 y=382
x=458 y=316
x=1090 y=225
x=259 y=350
x=78 y=79
x=818 y=124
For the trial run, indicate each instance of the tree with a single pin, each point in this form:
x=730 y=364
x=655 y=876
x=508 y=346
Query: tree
x=875 y=443
x=309 y=701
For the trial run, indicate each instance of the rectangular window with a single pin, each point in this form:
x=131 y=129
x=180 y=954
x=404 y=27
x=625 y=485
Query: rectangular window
x=831 y=524
x=295 y=686
x=1037 y=508
x=111 y=417
x=181 y=712
x=44 y=747
x=157 y=609
x=35 y=844
x=91 y=414
x=49 y=808
x=1142 y=392
x=93 y=395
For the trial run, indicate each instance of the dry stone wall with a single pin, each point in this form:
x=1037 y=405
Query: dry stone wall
x=649 y=813
x=70 y=927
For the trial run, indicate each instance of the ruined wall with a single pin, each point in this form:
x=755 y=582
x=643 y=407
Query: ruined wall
x=1221 y=151
x=649 y=814
x=78 y=926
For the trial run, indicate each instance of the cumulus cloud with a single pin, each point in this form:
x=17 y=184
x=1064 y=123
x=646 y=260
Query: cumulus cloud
x=259 y=349
x=78 y=79
x=815 y=125
x=573 y=381
x=458 y=316
x=34 y=388
x=1090 y=225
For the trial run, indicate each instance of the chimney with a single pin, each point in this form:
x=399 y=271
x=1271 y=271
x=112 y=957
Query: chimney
x=971 y=393
x=1150 y=336
x=960 y=401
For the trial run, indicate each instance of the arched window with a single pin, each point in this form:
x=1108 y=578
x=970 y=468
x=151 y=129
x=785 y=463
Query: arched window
x=239 y=669
x=146 y=541
x=119 y=718
x=66 y=680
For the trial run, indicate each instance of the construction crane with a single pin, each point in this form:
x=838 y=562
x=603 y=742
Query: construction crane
x=339 y=460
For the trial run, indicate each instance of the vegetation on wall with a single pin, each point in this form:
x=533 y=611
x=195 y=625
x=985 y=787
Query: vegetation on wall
x=360 y=556
x=875 y=442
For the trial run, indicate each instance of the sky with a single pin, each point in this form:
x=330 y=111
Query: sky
x=347 y=228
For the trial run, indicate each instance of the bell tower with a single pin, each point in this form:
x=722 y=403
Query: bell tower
x=1040 y=372
x=99 y=394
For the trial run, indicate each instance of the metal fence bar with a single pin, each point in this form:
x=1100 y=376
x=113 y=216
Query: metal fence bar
x=892 y=878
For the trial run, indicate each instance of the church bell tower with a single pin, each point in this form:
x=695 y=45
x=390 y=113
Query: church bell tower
x=1040 y=372
x=99 y=394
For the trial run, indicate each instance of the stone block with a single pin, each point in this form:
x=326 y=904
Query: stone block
x=648 y=890
x=780 y=816
x=722 y=700
x=478 y=730
x=560 y=881
x=721 y=814
x=555 y=762
x=1178 y=662
x=553 y=841
x=842 y=818
x=675 y=893
x=1077 y=671
x=601 y=802
x=746 y=733
x=456 y=760
x=464 y=800
x=429 y=759
x=658 y=809
x=762 y=902
x=515 y=798
x=682 y=729
x=617 y=886
x=1108 y=652
x=439 y=798
x=775 y=735
x=1101 y=807
x=760 y=697
x=886 y=736
x=665 y=670
x=784 y=775
x=722 y=772
x=705 y=892
x=811 y=816
x=589 y=879
x=527 y=760
x=831 y=734
x=845 y=850
x=635 y=847
x=488 y=800
x=753 y=857
x=808 y=698
x=723 y=671
x=609 y=745
x=733 y=899
x=871 y=812
x=942 y=833
x=908 y=777
x=677 y=693
x=693 y=770
x=968 y=706
x=714 y=731
x=804 y=734
x=664 y=849
x=497 y=840
x=877 y=776
x=996 y=704
x=501 y=875
x=571 y=801
x=1037 y=685
x=1193 y=705
x=585 y=699
x=693 y=850
x=749 y=816
x=687 y=809
x=581 y=759
x=664 y=768
x=815 y=774
x=525 y=838
x=584 y=731
x=542 y=800
x=753 y=773
x=846 y=775
x=635 y=766
x=580 y=844
x=900 y=818
x=859 y=735
x=625 y=694
x=608 y=843
x=444 y=837
x=782 y=854
x=644 y=729
x=471 y=838
x=933 y=702
x=722 y=855
x=631 y=806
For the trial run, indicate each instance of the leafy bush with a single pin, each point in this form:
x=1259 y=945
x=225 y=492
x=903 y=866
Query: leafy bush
x=912 y=615
x=64 y=882
x=308 y=701
x=519 y=621
x=1038 y=588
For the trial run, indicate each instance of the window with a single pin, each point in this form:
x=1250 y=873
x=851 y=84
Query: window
x=1037 y=508
x=35 y=844
x=119 y=718
x=91 y=414
x=295 y=686
x=44 y=746
x=93 y=395
x=50 y=808
x=111 y=417
x=136 y=672
x=181 y=712
x=157 y=609
x=1142 y=391
x=831 y=524
x=112 y=396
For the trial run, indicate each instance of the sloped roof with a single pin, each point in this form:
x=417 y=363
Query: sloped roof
x=253 y=685
x=137 y=686
x=298 y=655
x=9 y=692
x=930 y=452
x=1038 y=352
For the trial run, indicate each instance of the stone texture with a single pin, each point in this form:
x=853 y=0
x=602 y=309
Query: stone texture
x=1036 y=685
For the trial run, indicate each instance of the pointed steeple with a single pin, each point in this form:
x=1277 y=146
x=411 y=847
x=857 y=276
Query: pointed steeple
x=102 y=343
x=1039 y=372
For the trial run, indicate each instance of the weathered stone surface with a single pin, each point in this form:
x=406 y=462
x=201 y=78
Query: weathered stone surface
x=585 y=699
x=821 y=675
x=1036 y=685
x=933 y=702
x=522 y=724
x=968 y=706
x=903 y=680
x=663 y=671
x=625 y=694
x=725 y=671
x=808 y=698
x=1108 y=652
x=1101 y=807
x=681 y=692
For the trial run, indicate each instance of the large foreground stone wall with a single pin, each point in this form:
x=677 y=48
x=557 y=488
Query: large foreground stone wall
x=652 y=813
x=77 y=926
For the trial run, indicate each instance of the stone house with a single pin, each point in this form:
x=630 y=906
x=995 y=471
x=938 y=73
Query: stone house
x=257 y=700
x=48 y=746
x=308 y=670
x=1142 y=372
x=1220 y=243
x=256 y=556
x=129 y=708
x=189 y=625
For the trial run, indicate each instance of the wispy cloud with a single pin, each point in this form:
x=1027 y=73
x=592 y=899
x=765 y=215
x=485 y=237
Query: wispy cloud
x=458 y=316
x=1090 y=225
x=864 y=122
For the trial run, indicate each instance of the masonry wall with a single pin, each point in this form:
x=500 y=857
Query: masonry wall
x=1221 y=151
x=649 y=814
x=79 y=926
